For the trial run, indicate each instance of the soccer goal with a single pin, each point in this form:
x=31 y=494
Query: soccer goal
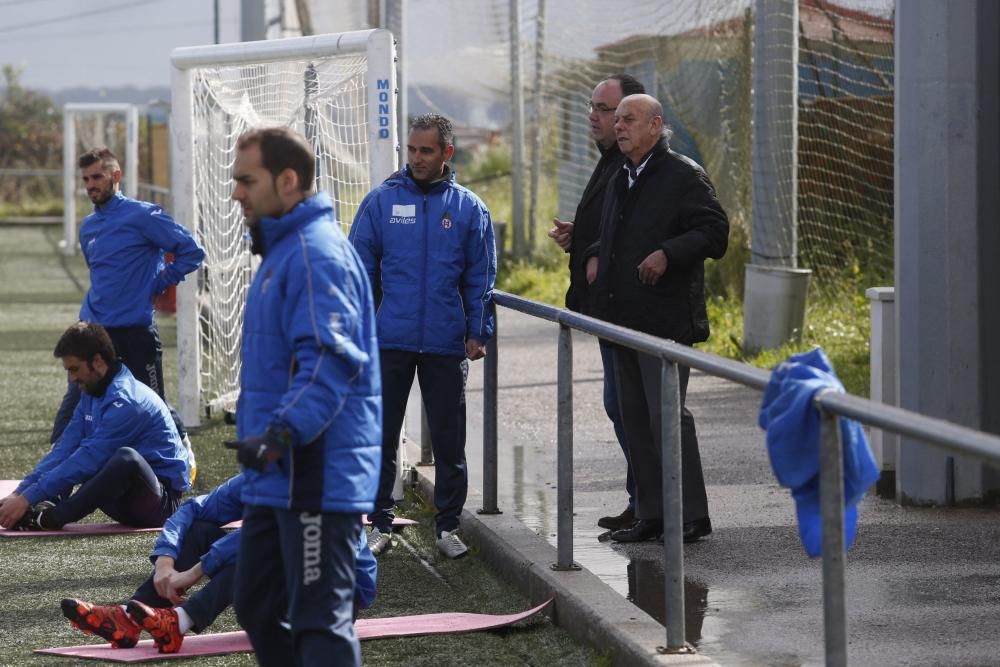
x=337 y=90
x=87 y=126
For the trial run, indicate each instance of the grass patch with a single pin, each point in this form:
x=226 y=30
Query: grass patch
x=840 y=325
x=32 y=208
x=36 y=573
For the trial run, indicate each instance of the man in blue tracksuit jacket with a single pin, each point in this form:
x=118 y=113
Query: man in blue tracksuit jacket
x=124 y=242
x=427 y=244
x=121 y=446
x=192 y=546
x=308 y=419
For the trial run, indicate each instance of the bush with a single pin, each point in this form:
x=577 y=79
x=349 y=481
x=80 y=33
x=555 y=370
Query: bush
x=840 y=326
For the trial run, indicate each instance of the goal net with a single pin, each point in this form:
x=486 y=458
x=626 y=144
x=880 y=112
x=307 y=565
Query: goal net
x=338 y=91
x=87 y=126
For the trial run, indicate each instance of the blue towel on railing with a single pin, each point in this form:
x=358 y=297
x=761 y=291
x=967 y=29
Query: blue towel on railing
x=792 y=423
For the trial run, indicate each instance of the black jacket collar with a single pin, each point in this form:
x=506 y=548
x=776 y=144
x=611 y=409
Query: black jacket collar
x=109 y=377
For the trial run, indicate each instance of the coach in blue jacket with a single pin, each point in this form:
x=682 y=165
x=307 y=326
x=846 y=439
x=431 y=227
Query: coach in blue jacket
x=309 y=414
x=121 y=447
x=427 y=244
x=192 y=546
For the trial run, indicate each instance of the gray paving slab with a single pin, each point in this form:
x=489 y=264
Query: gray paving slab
x=923 y=584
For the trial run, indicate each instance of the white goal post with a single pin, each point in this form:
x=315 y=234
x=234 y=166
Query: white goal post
x=337 y=90
x=85 y=126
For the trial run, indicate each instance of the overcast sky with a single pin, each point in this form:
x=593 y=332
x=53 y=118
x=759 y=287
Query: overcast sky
x=96 y=43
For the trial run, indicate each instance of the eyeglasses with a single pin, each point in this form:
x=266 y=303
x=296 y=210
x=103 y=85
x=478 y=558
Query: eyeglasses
x=599 y=108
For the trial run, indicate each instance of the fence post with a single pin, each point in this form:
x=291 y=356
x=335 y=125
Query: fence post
x=564 y=439
x=884 y=444
x=426 y=447
x=673 y=515
x=490 y=377
x=831 y=498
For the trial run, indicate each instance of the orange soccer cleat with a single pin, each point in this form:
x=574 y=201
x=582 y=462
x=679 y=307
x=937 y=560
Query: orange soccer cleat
x=162 y=624
x=109 y=622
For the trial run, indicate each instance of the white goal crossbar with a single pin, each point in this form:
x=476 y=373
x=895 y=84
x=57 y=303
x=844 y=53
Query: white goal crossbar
x=71 y=114
x=339 y=91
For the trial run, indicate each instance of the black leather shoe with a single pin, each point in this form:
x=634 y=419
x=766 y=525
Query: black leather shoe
x=623 y=520
x=640 y=531
x=697 y=529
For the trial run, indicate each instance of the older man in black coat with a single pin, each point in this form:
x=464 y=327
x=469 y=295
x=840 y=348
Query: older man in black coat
x=661 y=220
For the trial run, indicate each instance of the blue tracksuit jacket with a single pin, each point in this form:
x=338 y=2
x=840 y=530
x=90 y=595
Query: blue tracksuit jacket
x=434 y=258
x=311 y=367
x=792 y=422
x=129 y=414
x=222 y=505
x=219 y=506
x=123 y=242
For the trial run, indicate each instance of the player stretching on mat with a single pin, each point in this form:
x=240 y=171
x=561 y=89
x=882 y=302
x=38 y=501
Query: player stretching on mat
x=121 y=446
x=191 y=547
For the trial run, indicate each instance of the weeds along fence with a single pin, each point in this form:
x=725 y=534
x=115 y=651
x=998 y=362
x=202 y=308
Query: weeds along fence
x=830 y=405
x=30 y=193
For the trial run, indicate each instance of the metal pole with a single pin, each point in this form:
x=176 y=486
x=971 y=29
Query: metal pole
x=253 y=20
x=69 y=184
x=132 y=152
x=831 y=498
x=775 y=133
x=536 y=126
x=775 y=288
x=564 y=440
x=490 y=375
x=215 y=31
x=517 y=131
x=673 y=514
x=402 y=76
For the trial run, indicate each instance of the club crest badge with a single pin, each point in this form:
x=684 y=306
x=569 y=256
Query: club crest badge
x=446 y=221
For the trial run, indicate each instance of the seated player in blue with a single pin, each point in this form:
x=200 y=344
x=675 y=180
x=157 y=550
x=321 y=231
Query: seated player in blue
x=121 y=447
x=192 y=546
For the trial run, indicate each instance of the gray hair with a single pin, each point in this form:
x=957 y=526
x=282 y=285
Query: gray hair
x=428 y=121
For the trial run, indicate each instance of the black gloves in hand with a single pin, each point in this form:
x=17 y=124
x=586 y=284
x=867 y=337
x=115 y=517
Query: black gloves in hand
x=256 y=452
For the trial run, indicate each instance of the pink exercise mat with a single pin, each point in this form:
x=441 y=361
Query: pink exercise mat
x=7 y=487
x=237 y=642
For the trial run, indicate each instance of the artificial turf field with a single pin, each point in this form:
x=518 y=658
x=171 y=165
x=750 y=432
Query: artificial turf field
x=40 y=293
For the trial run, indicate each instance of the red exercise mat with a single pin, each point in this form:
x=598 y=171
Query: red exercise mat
x=236 y=642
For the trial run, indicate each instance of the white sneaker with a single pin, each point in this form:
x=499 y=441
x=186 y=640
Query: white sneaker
x=450 y=545
x=191 y=462
x=379 y=542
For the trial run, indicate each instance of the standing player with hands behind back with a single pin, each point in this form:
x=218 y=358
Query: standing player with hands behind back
x=427 y=244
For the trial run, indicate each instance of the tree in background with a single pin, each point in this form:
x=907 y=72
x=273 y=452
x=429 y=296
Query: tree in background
x=30 y=138
x=30 y=131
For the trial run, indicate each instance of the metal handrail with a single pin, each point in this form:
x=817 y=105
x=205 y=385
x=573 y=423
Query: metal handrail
x=831 y=404
x=953 y=437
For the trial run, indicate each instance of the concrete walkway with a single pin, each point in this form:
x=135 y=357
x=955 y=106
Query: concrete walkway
x=923 y=584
